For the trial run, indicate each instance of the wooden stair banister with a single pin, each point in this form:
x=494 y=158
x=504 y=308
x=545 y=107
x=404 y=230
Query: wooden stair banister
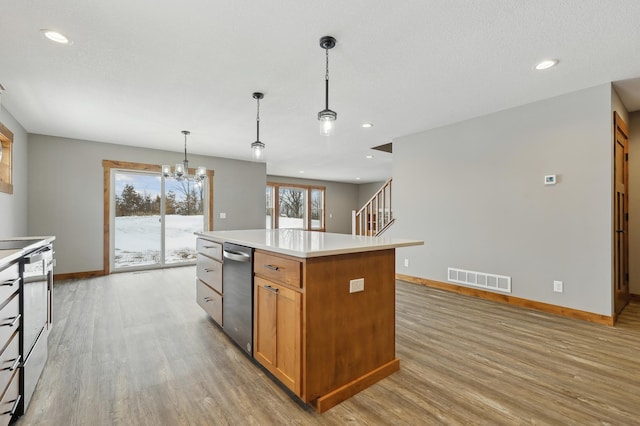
x=376 y=215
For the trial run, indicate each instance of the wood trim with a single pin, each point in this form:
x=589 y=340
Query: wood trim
x=127 y=165
x=511 y=300
x=106 y=213
x=635 y=297
x=78 y=275
x=210 y=175
x=620 y=124
x=341 y=394
x=6 y=140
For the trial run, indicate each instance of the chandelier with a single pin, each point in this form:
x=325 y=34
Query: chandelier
x=181 y=170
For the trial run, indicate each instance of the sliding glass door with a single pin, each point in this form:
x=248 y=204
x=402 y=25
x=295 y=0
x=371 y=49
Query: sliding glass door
x=154 y=219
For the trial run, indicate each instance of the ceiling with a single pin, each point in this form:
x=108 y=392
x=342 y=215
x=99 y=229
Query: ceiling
x=139 y=72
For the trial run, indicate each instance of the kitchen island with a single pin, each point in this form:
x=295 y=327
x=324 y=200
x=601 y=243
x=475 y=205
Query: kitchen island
x=323 y=318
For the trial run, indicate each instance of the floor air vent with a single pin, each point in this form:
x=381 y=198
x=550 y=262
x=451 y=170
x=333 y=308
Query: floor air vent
x=480 y=279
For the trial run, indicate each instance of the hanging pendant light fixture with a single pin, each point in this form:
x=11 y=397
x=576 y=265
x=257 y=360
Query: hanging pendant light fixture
x=327 y=117
x=181 y=170
x=257 y=147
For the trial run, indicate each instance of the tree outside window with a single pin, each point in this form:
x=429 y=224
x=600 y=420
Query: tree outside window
x=297 y=206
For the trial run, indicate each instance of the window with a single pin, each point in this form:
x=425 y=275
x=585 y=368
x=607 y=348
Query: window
x=6 y=167
x=296 y=206
x=149 y=220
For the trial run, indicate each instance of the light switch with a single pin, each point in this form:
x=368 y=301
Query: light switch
x=223 y=215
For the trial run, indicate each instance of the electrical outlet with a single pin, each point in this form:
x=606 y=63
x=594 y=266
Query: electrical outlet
x=356 y=285
x=557 y=286
x=223 y=215
x=406 y=263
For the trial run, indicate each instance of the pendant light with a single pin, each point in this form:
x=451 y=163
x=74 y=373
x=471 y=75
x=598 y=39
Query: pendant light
x=327 y=117
x=181 y=170
x=257 y=147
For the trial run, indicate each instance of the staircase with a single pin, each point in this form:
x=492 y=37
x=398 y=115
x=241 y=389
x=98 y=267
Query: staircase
x=375 y=216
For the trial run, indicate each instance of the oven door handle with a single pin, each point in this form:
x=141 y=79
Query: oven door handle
x=37 y=256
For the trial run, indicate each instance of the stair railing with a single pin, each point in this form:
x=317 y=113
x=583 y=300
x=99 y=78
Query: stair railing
x=376 y=215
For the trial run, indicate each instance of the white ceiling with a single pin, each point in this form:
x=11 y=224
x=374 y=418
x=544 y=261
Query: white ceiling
x=140 y=71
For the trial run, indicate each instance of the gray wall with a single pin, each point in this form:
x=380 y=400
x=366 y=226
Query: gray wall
x=474 y=192
x=368 y=190
x=634 y=202
x=66 y=194
x=341 y=199
x=13 y=207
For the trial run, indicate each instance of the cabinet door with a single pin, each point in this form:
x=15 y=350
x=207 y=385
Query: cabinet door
x=265 y=323
x=278 y=338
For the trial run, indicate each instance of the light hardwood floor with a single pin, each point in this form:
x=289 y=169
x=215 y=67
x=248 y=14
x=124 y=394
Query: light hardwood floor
x=136 y=349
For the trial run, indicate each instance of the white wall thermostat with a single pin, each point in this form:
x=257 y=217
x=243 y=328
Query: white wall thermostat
x=550 y=180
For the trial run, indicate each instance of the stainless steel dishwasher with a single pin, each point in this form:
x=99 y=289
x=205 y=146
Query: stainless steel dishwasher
x=237 y=302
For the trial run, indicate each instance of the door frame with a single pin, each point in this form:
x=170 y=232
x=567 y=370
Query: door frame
x=142 y=167
x=620 y=225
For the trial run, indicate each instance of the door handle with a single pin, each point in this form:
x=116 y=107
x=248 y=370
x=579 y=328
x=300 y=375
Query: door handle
x=271 y=289
x=620 y=231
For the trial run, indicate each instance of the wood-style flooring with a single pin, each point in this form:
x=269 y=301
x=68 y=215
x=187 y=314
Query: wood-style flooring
x=136 y=349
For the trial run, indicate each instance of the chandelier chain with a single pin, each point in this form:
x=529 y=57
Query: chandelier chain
x=326 y=75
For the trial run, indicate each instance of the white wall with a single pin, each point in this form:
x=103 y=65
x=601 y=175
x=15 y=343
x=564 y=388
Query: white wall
x=474 y=192
x=13 y=207
x=366 y=191
x=66 y=194
x=341 y=199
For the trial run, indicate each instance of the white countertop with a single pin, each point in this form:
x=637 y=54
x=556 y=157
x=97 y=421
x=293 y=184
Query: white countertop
x=299 y=243
x=8 y=255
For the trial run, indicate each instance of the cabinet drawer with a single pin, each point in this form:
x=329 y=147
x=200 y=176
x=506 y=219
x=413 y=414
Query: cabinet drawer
x=9 y=402
x=210 y=301
x=209 y=248
x=9 y=282
x=9 y=319
x=9 y=362
x=278 y=269
x=210 y=271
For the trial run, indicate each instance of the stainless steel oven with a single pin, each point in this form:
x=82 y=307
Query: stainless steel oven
x=37 y=279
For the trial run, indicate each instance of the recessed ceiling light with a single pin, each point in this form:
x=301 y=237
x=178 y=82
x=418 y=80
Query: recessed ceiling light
x=367 y=125
x=56 y=36
x=369 y=157
x=546 y=64
x=357 y=178
x=301 y=171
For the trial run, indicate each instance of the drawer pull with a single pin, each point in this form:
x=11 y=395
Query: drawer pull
x=272 y=267
x=208 y=299
x=15 y=406
x=12 y=323
x=211 y=247
x=268 y=287
x=16 y=363
x=209 y=269
x=10 y=283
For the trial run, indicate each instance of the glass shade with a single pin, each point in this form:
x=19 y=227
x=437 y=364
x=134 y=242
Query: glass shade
x=201 y=172
x=257 y=150
x=327 y=119
x=166 y=170
x=179 y=170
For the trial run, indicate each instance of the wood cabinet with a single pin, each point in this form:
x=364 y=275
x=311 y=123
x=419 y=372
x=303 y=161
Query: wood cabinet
x=277 y=337
x=209 y=287
x=315 y=336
